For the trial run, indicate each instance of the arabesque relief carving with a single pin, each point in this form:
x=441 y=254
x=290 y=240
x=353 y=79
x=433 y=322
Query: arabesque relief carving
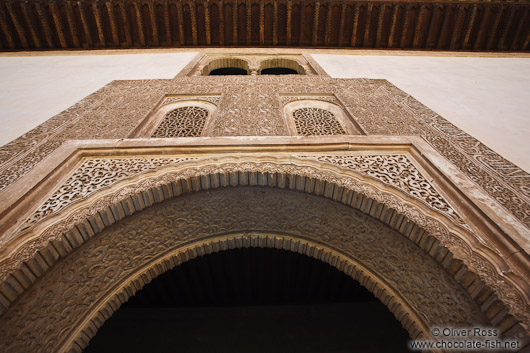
x=63 y=310
x=252 y=106
x=93 y=175
x=73 y=228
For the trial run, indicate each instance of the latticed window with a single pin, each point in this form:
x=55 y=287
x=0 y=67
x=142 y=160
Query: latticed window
x=316 y=122
x=182 y=122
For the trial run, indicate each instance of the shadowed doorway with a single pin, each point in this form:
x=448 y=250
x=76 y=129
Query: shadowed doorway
x=252 y=300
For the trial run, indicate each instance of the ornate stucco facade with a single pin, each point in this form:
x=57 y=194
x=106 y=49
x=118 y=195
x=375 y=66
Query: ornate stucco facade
x=144 y=175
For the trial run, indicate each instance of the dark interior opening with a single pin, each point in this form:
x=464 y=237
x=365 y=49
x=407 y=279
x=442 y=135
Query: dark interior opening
x=252 y=300
x=225 y=71
x=278 y=71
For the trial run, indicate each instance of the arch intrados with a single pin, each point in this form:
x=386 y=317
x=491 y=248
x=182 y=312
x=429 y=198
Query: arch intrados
x=226 y=62
x=397 y=305
x=282 y=62
x=161 y=185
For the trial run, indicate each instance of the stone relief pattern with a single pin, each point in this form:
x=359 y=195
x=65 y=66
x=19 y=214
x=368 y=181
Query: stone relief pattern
x=397 y=171
x=390 y=111
x=252 y=108
x=476 y=263
x=93 y=175
x=210 y=99
x=182 y=122
x=316 y=122
x=45 y=315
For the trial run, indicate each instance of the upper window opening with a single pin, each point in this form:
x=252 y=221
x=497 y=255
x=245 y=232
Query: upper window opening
x=226 y=66
x=280 y=66
x=278 y=71
x=224 y=71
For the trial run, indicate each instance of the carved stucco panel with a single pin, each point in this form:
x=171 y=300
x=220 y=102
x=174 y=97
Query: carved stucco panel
x=45 y=315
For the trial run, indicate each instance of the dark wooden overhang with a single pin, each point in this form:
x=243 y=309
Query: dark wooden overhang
x=431 y=25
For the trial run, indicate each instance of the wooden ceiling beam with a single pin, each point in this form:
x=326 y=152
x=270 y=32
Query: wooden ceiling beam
x=482 y=27
x=275 y=23
x=502 y=41
x=406 y=23
x=45 y=24
x=493 y=29
x=315 y=23
x=127 y=24
x=72 y=24
x=28 y=17
x=445 y=23
x=10 y=36
x=99 y=24
x=234 y=21
x=369 y=10
x=18 y=26
x=113 y=26
x=261 y=22
x=342 y=22
x=289 y=21
x=379 y=33
x=139 y=23
x=154 y=22
x=329 y=24
x=221 y=23
x=59 y=27
x=167 y=24
x=181 y=23
x=193 y=13
x=418 y=32
x=207 y=26
x=469 y=27
x=248 y=7
x=517 y=36
x=84 y=22
x=390 y=43
x=457 y=29
x=353 y=40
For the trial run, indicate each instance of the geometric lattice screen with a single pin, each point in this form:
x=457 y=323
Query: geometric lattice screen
x=316 y=122
x=182 y=122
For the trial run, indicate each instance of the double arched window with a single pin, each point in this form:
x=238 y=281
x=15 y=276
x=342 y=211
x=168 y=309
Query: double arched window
x=237 y=66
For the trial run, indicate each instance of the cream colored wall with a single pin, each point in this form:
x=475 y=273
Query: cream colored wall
x=35 y=88
x=487 y=97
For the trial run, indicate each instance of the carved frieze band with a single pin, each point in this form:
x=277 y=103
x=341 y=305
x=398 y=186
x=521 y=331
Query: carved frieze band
x=93 y=175
x=397 y=171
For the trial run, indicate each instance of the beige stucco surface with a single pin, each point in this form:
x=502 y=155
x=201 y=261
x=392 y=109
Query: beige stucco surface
x=487 y=97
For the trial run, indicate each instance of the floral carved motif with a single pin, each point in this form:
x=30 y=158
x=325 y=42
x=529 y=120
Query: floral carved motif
x=210 y=99
x=93 y=175
x=397 y=171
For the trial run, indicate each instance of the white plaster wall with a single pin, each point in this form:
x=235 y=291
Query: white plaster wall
x=35 y=88
x=489 y=98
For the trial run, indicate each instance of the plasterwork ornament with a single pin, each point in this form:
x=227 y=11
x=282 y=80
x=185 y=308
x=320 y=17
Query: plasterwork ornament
x=45 y=316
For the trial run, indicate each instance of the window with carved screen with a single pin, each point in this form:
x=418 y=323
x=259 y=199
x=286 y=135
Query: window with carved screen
x=186 y=121
x=316 y=122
